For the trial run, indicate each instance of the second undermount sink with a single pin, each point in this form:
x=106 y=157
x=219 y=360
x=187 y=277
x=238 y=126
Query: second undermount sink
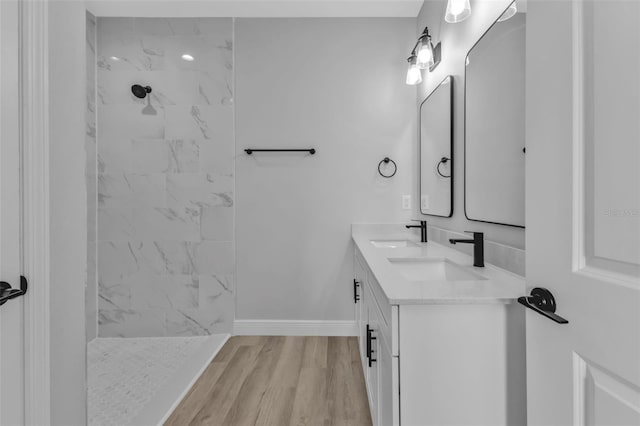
x=393 y=243
x=433 y=269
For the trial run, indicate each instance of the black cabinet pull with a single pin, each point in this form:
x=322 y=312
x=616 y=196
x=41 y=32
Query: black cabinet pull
x=356 y=296
x=370 y=350
x=7 y=293
x=542 y=301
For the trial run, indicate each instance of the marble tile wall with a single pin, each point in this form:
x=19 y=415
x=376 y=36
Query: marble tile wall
x=91 y=290
x=165 y=228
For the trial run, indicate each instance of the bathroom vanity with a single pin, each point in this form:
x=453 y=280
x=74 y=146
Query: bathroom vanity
x=441 y=341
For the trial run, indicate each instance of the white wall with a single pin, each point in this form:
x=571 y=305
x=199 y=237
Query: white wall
x=457 y=40
x=336 y=85
x=68 y=210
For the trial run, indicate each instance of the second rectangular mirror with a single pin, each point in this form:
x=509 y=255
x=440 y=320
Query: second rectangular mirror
x=494 y=122
x=436 y=151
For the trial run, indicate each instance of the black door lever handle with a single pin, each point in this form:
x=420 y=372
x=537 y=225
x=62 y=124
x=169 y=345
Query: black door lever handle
x=542 y=301
x=7 y=293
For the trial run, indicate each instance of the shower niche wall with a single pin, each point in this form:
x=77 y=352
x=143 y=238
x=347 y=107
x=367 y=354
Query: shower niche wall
x=165 y=177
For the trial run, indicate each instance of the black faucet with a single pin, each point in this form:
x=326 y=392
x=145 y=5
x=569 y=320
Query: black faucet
x=478 y=247
x=423 y=229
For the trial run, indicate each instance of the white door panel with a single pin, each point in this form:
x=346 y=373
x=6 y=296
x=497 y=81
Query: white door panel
x=11 y=313
x=583 y=211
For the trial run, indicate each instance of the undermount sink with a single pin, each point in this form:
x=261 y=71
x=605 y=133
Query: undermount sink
x=433 y=269
x=393 y=243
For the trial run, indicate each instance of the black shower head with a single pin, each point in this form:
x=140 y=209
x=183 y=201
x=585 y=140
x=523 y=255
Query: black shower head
x=140 y=91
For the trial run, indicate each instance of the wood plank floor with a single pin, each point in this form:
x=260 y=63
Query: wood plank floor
x=279 y=381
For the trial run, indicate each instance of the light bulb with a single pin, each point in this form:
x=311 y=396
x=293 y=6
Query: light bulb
x=509 y=12
x=457 y=11
x=414 y=75
x=425 y=54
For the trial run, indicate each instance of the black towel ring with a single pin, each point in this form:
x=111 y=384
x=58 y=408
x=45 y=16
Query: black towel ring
x=443 y=160
x=387 y=160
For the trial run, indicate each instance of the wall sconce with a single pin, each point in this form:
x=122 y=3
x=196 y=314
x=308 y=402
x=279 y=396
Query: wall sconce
x=414 y=76
x=423 y=57
x=457 y=11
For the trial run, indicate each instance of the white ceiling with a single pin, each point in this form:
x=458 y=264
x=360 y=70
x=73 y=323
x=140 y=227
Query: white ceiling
x=256 y=8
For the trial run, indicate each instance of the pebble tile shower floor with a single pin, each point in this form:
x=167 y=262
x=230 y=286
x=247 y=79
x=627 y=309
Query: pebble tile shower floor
x=125 y=374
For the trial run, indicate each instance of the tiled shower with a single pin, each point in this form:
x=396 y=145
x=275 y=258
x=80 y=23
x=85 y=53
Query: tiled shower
x=160 y=203
x=165 y=177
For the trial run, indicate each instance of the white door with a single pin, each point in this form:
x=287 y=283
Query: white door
x=11 y=313
x=583 y=211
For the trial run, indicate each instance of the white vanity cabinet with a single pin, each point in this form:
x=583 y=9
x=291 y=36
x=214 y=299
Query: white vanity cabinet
x=440 y=363
x=380 y=366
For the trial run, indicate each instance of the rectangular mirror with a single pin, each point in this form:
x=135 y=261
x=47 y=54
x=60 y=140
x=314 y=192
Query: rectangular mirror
x=495 y=122
x=436 y=151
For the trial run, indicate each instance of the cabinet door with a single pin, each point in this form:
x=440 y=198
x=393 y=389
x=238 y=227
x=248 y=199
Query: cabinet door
x=388 y=387
x=373 y=373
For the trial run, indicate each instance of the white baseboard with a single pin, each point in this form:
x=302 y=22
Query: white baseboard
x=294 y=328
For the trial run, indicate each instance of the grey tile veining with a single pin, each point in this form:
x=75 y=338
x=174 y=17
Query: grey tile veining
x=194 y=322
x=165 y=200
x=123 y=123
x=199 y=190
x=114 y=297
x=170 y=87
x=184 y=156
x=127 y=190
x=164 y=291
x=117 y=260
x=209 y=122
x=132 y=323
x=215 y=289
x=178 y=223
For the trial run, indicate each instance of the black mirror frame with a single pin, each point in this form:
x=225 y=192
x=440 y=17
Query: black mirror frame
x=451 y=145
x=465 y=127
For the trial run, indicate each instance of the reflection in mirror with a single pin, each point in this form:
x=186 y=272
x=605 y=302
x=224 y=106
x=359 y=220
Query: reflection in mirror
x=494 y=122
x=436 y=153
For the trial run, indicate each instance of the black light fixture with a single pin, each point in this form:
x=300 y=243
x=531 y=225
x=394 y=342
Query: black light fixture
x=423 y=56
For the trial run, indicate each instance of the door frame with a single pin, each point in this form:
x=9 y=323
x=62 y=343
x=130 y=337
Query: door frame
x=34 y=128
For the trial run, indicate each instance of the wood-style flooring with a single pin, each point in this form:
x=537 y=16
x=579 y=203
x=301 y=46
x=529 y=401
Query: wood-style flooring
x=279 y=381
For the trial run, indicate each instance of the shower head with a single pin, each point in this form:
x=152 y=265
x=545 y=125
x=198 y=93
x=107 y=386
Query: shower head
x=140 y=91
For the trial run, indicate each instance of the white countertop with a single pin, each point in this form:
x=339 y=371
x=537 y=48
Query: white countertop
x=498 y=285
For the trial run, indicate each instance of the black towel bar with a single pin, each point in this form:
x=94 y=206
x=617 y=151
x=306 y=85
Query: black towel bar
x=252 y=150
